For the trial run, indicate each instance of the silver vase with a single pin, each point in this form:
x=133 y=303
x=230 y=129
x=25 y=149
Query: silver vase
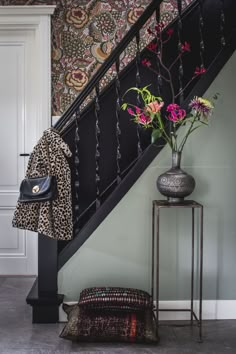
x=175 y=184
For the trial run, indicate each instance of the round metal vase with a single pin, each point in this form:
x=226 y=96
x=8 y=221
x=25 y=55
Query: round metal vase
x=175 y=184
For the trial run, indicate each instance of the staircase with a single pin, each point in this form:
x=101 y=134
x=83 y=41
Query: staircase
x=110 y=152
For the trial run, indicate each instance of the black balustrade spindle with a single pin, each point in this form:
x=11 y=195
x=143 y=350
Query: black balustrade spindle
x=159 y=79
x=181 y=72
x=138 y=85
x=201 y=29
x=118 y=130
x=222 y=25
x=97 y=152
x=77 y=183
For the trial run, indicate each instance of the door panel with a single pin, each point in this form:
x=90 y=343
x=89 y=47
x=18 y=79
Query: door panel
x=18 y=248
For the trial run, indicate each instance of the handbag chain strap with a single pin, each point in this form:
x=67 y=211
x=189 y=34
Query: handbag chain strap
x=48 y=158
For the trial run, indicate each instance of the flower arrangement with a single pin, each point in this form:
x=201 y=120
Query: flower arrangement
x=151 y=116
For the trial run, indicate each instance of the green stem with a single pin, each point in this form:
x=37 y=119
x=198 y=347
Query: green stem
x=167 y=139
x=175 y=137
x=187 y=135
x=160 y=125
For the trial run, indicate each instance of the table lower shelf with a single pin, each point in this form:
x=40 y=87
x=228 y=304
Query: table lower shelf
x=193 y=321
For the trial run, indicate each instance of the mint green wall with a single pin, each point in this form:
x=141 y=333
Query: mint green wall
x=118 y=253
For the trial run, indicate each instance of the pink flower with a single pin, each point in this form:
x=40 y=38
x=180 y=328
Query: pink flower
x=172 y=107
x=186 y=47
x=177 y=115
x=201 y=106
x=144 y=120
x=199 y=71
x=173 y=116
x=131 y=112
x=146 y=62
x=154 y=107
x=170 y=31
x=138 y=110
x=181 y=114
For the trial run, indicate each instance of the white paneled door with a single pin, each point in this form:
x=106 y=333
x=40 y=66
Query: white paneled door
x=24 y=114
x=25 y=78
x=18 y=248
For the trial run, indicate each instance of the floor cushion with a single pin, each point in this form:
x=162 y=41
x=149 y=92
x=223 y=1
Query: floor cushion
x=115 y=298
x=89 y=326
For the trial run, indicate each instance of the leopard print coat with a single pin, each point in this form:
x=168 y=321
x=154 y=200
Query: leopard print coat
x=55 y=220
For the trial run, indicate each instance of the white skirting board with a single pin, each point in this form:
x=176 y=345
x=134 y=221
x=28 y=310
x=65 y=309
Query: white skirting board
x=211 y=310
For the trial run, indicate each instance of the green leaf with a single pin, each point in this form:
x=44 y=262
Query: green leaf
x=192 y=130
x=157 y=98
x=205 y=123
x=156 y=134
x=152 y=115
x=186 y=120
x=145 y=88
x=132 y=89
x=124 y=106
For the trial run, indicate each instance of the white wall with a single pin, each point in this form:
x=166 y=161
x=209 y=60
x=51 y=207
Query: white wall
x=118 y=252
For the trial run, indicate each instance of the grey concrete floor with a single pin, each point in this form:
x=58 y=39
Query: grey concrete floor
x=19 y=336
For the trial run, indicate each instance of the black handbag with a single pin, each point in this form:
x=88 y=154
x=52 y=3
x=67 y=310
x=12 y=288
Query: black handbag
x=38 y=189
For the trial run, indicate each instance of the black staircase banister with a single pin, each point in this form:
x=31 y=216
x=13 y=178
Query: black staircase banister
x=108 y=63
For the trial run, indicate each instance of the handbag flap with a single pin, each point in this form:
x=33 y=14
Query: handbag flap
x=32 y=187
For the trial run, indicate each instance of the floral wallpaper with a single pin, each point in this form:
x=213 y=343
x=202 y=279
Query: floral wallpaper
x=84 y=32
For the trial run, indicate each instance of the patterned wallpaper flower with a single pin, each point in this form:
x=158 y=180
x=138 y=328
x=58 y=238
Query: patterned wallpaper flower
x=84 y=34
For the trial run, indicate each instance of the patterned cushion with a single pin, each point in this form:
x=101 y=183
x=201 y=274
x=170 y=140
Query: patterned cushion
x=114 y=298
x=89 y=326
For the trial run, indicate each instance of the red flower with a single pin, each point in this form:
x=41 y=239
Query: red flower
x=199 y=71
x=144 y=120
x=170 y=31
x=176 y=113
x=146 y=62
x=152 y=46
x=149 y=31
x=159 y=27
x=176 y=116
x=131 y=112
x=172 y=107
x=186 y=47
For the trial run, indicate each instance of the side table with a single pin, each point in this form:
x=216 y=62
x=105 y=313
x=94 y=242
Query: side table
x=157 y=205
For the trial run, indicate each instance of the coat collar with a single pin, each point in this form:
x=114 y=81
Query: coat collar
x=53 y=133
